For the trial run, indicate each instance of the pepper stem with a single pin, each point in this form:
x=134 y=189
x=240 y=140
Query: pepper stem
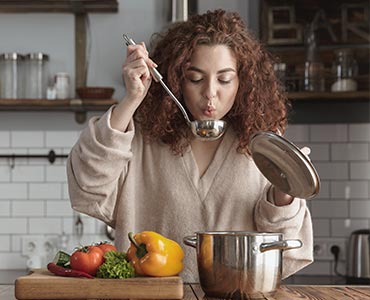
x=132 y=240
x=140 y=249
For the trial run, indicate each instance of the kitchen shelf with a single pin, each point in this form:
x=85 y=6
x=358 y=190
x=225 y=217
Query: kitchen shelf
x=80 y=9
x=78 y=106
x=341 y=96
x=336 y=24
x=58 y=6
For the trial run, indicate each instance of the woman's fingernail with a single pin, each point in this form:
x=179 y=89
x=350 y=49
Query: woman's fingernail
x=306 y=150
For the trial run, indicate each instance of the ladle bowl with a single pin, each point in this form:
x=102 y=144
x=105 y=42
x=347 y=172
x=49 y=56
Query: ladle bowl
x=208 y=129
x=202 y=129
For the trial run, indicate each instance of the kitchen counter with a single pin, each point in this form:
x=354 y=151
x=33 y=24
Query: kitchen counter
x=286 y=292
x=9 y=276
x=7 y=292
x=315 y=280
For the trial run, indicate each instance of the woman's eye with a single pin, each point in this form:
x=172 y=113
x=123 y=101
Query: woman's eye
x=195 y=80
x=224 y=81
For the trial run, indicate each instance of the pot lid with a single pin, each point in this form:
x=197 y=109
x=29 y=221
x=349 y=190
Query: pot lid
x=284 y=165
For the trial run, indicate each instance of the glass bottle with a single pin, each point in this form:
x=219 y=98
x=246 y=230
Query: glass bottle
x=344 y=70
x=314 y=76
x=314 y=72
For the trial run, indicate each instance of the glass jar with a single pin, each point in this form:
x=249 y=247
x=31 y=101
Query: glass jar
x=344 y=70
x=37 y=75
x=11 y=76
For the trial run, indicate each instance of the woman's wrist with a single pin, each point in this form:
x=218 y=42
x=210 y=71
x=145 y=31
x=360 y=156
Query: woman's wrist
x=281 y=198
x=122 y=114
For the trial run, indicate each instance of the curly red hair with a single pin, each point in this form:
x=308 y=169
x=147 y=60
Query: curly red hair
x=260 y=103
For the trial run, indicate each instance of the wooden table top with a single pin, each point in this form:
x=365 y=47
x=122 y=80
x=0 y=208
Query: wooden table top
x=301 y=292
x=286 y=292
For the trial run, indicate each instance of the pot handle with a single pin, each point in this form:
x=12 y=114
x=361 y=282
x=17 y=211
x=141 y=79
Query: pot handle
x=191 y=241
x=281 y=245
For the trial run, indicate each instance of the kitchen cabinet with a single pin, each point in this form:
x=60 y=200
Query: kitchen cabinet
x=80 y=9
x=288 y=29
x=329 y=107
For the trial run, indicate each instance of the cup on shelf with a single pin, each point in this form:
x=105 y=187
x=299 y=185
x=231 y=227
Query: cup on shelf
x=62 y=85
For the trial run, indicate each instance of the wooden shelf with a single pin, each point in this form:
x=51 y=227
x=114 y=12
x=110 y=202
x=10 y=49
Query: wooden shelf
x=58 y=6
x=78 y=106
x=360 y=95
x=44 y=104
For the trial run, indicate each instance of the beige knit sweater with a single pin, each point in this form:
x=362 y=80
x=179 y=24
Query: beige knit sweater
x=135 y=186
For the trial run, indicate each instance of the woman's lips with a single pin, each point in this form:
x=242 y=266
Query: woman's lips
x=209 y=112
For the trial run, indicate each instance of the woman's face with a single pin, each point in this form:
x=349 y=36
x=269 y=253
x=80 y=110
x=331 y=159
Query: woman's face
x=211 y=82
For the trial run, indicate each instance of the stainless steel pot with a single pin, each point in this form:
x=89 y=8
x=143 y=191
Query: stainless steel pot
x=239 y=264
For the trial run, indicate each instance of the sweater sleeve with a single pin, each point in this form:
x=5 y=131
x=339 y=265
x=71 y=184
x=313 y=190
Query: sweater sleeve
x=294 y=222
x=96 y=165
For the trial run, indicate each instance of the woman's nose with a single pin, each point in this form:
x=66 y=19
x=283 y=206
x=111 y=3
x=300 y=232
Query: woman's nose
x=210 y=90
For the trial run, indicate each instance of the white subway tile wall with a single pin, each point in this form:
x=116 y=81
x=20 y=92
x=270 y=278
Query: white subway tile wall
x=341 y=155
x=34 y=197
x=27 y=139
x=4 y=139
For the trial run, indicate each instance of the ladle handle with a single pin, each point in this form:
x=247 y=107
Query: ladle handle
x=156 y=75
x=158 y=78
x=183 y=111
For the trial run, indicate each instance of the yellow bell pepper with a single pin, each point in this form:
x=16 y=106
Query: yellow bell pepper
x=152 y=254
x=206 y=253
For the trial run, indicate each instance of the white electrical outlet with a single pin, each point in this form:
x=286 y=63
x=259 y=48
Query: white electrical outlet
x=39 y=245
x=32 y=245
x=322 y=248
x=50 y=246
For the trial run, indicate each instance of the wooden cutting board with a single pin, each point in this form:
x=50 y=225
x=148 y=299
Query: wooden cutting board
x=41 y=284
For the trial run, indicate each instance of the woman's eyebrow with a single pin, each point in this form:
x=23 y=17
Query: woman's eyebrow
x=195 y=69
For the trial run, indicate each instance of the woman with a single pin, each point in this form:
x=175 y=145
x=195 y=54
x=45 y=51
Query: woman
x=138 y=167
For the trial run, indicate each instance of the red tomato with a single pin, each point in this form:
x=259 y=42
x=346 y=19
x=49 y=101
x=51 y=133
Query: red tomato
x=105 y=247
x=87 y=259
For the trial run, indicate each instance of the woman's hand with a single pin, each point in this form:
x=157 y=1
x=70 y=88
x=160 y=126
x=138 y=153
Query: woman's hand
x=306 y=151
x=136 y=74
x=137 y=78
x=281 y=198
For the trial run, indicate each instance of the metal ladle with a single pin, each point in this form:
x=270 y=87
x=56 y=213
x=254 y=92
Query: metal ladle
x=202 y=129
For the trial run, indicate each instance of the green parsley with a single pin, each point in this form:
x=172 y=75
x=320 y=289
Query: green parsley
x=116 y=266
